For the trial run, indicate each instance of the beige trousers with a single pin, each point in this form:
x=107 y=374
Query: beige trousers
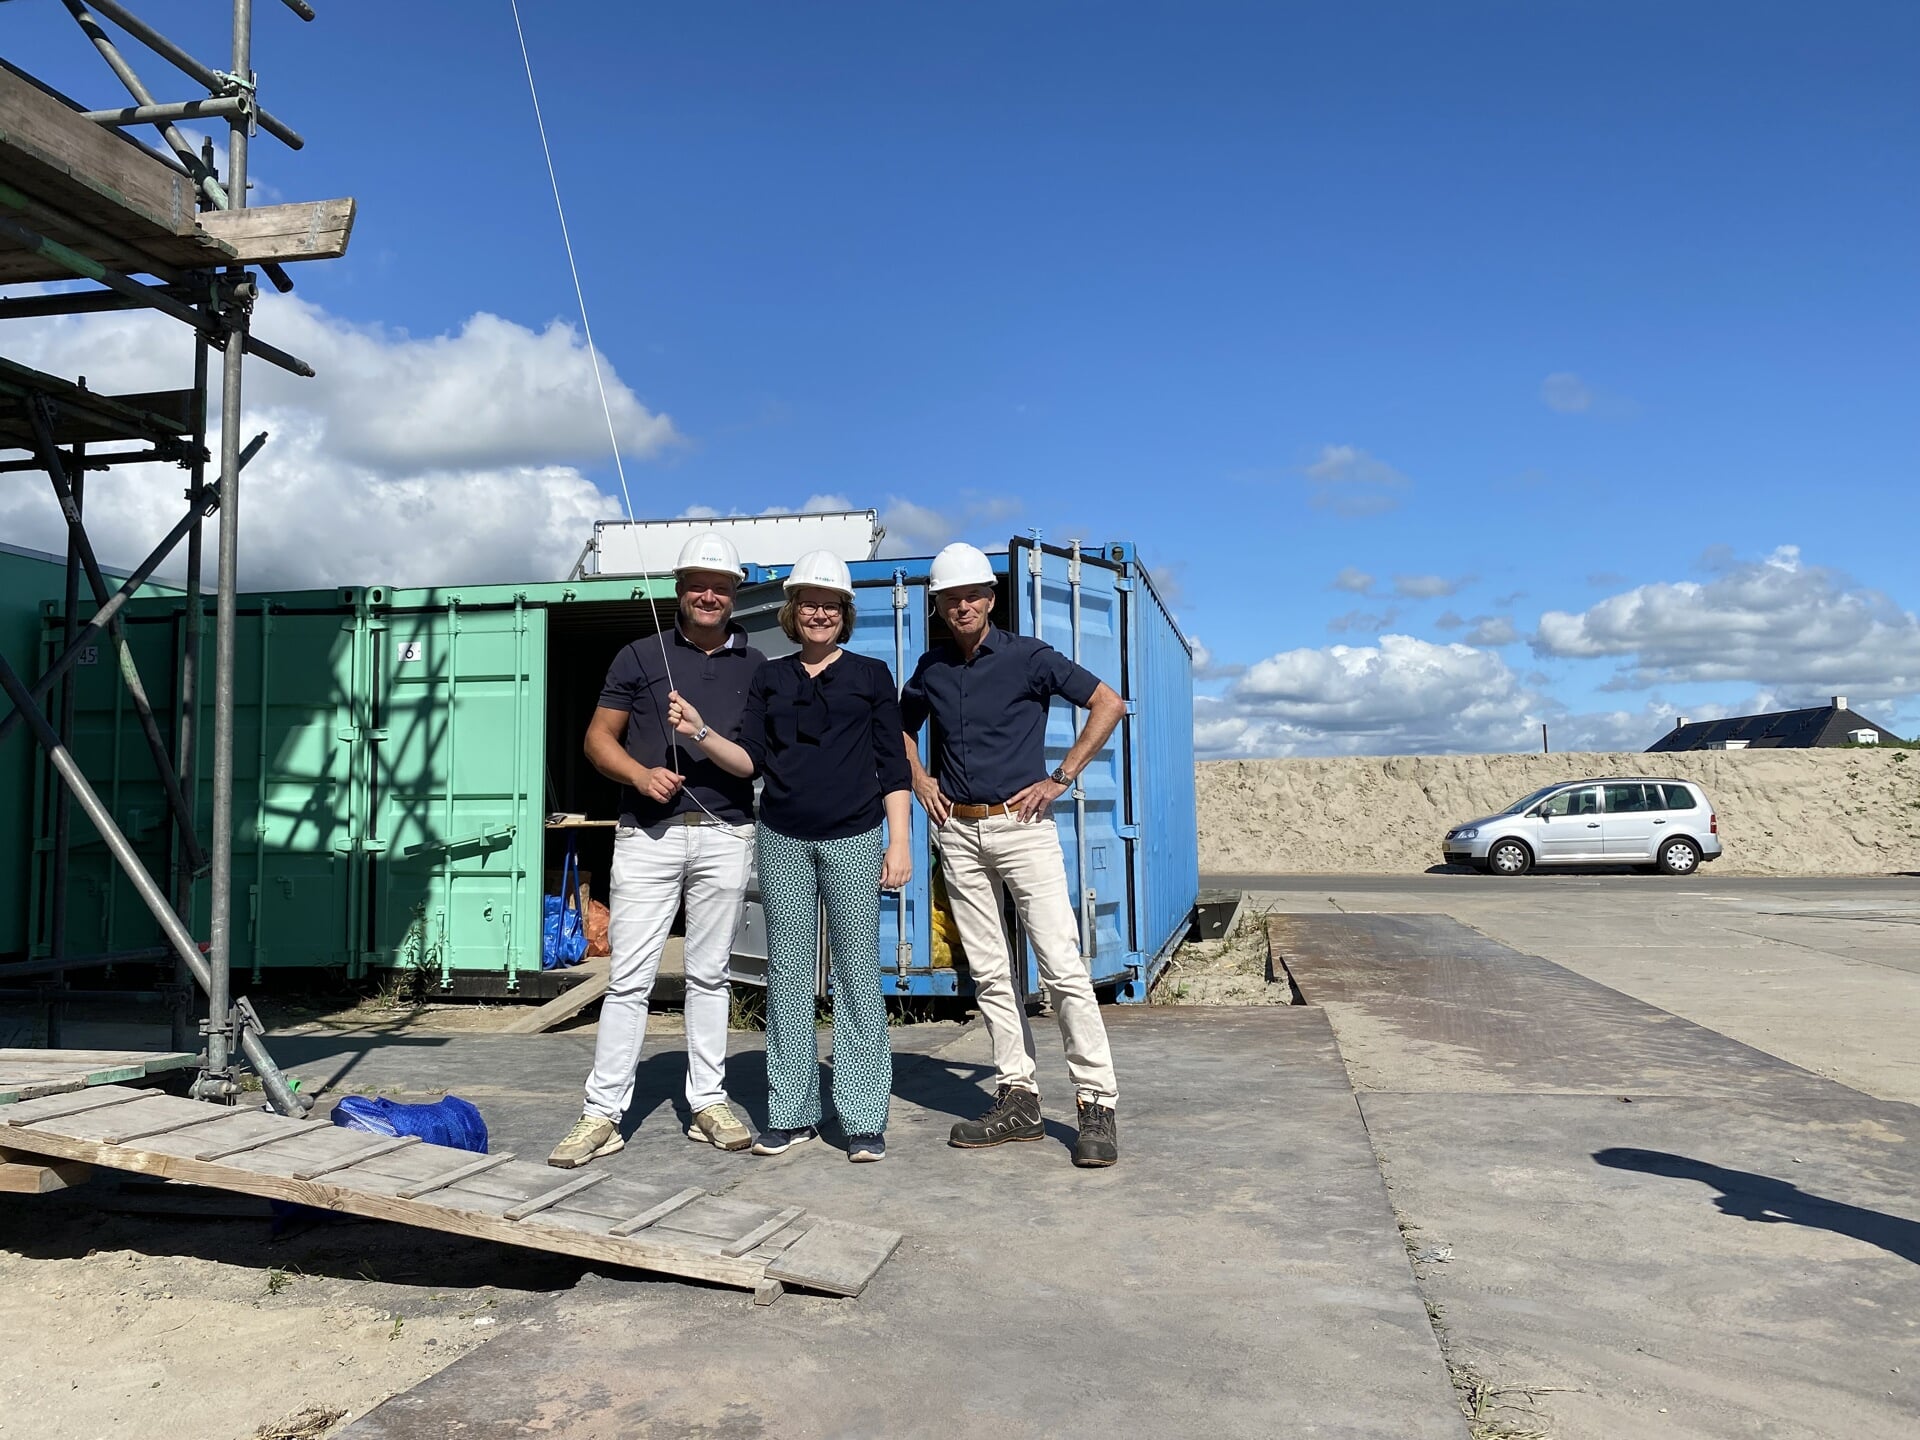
x=982 y=861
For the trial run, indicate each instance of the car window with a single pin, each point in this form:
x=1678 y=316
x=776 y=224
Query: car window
x=1572 y=802
x=1628 y=799
x=1527 y=801
x=1679 y=797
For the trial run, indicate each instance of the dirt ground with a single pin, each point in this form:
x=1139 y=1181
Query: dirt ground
x=1232 y=970
x=238 y=1333
x=120 y=1293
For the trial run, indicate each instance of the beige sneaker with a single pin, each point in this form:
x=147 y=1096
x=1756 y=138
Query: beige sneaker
x=718 y=1125
x=591 y=1137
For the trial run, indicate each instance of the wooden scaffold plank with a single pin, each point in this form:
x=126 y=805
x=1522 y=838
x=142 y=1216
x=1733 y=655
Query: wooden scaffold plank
x=656 y=1213
x=690 y=1233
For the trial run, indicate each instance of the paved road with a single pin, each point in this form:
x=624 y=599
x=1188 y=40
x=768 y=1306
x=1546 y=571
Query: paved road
x=1822 y=971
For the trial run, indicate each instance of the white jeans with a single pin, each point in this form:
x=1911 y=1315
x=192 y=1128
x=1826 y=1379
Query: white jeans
x=652 y=869
x=982 y=859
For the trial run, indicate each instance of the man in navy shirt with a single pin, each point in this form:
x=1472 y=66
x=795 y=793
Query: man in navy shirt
x=989 y=796
x=686 y=832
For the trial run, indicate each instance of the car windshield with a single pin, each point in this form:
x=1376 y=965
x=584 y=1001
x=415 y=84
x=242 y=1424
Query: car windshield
x=1527 y=802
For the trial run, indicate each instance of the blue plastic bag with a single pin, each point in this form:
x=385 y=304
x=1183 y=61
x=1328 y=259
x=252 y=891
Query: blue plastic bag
x=447 y=1121
x=563 y=931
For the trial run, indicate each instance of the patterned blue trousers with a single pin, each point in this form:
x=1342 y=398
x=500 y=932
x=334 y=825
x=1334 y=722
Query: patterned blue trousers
x=795 y=875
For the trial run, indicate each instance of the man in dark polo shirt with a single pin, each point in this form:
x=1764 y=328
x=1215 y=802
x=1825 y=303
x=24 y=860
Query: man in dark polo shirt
x=686 y=832
x=990 y=799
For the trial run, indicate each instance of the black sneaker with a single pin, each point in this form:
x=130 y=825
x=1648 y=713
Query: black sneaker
x=1099 y=1142
x=1014 y=1115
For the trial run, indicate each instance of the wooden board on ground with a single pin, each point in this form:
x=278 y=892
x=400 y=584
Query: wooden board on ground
x=28 y=1074
x=835 y=1257
x=592 y=1214
x=23 y=1174
x=596 y=975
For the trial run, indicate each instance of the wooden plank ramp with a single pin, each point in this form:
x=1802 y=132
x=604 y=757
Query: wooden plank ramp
x=592 y=1214
x=29 y=1074
x=595 y=973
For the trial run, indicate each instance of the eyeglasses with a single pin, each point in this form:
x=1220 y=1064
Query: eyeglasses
x=820 y=607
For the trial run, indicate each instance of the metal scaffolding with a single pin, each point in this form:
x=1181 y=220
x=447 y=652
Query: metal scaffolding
x=81 y=199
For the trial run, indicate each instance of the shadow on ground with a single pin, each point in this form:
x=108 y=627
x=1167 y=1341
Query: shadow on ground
x=1746 y=1196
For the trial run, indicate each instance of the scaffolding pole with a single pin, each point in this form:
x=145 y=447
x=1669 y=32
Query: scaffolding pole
x=67 y=431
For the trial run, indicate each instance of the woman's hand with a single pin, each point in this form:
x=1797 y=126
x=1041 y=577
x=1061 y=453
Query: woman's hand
x=681 y=716
x=896 y=866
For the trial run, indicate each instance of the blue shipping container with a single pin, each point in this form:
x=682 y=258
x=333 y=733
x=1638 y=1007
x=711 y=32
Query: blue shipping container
x=1128 y=830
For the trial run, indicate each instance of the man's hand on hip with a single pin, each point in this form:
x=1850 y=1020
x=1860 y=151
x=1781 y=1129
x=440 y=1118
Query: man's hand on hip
x=1036 y=801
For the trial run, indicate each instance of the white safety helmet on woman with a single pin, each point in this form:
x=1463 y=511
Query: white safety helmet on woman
x=820 y=570
x=959 y=565
x=709 y=551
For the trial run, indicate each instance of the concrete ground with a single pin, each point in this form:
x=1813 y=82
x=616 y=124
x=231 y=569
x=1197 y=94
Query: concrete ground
x=1822 y=972
x=1635 y=1195
x=1237 y=1275
x=1625 y=1224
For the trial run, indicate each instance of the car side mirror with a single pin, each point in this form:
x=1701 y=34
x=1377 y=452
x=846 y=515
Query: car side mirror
x=1539 y=814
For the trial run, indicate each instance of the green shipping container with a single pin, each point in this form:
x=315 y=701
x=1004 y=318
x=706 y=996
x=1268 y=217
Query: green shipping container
x=28 y=580
x=395 y=752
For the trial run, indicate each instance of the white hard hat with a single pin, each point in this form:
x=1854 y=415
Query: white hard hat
x=709 y=550
x=821 y=570
x=959 y=564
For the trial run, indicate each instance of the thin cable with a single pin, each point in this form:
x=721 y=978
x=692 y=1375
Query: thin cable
x=613 y=436
x=579 y=293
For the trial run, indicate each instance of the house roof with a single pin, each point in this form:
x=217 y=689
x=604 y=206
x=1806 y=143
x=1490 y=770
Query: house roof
x=1823 y=725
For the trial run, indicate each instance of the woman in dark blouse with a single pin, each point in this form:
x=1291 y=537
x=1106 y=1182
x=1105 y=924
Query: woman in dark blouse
x=822 y=728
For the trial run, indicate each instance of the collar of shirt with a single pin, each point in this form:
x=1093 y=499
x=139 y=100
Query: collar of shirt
x=987 y=646
x=736 y=639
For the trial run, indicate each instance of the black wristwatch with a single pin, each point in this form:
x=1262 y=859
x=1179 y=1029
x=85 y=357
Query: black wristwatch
x=1060 y=776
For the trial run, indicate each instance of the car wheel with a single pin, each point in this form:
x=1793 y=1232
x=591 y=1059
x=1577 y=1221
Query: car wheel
x=1509 y=857
x=1679 y=857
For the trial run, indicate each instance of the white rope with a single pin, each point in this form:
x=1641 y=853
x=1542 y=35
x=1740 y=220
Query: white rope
x=606 y=409
x=579 y=293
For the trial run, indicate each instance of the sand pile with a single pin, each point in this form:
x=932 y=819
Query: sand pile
x=1782 y=812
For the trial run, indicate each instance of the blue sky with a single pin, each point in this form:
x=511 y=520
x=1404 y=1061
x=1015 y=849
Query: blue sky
x=1569 y=344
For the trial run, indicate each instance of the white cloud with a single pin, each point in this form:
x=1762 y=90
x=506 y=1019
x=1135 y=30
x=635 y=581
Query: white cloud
x=1777 y=623
x=1357 y=582
x=1349 y=481
x=411 y=461
x=1400 y=695
x=1428 y=587
x=1567 y=393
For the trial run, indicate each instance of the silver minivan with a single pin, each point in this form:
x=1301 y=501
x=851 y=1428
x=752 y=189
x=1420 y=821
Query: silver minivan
x=1623 y=820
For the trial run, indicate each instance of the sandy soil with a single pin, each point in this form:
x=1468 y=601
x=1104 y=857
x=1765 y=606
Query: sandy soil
x=1232 y=970
x=207 y=1326
x=1782 y=812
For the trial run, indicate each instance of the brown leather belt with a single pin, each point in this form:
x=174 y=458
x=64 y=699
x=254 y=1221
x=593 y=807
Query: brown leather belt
x=981 y=812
